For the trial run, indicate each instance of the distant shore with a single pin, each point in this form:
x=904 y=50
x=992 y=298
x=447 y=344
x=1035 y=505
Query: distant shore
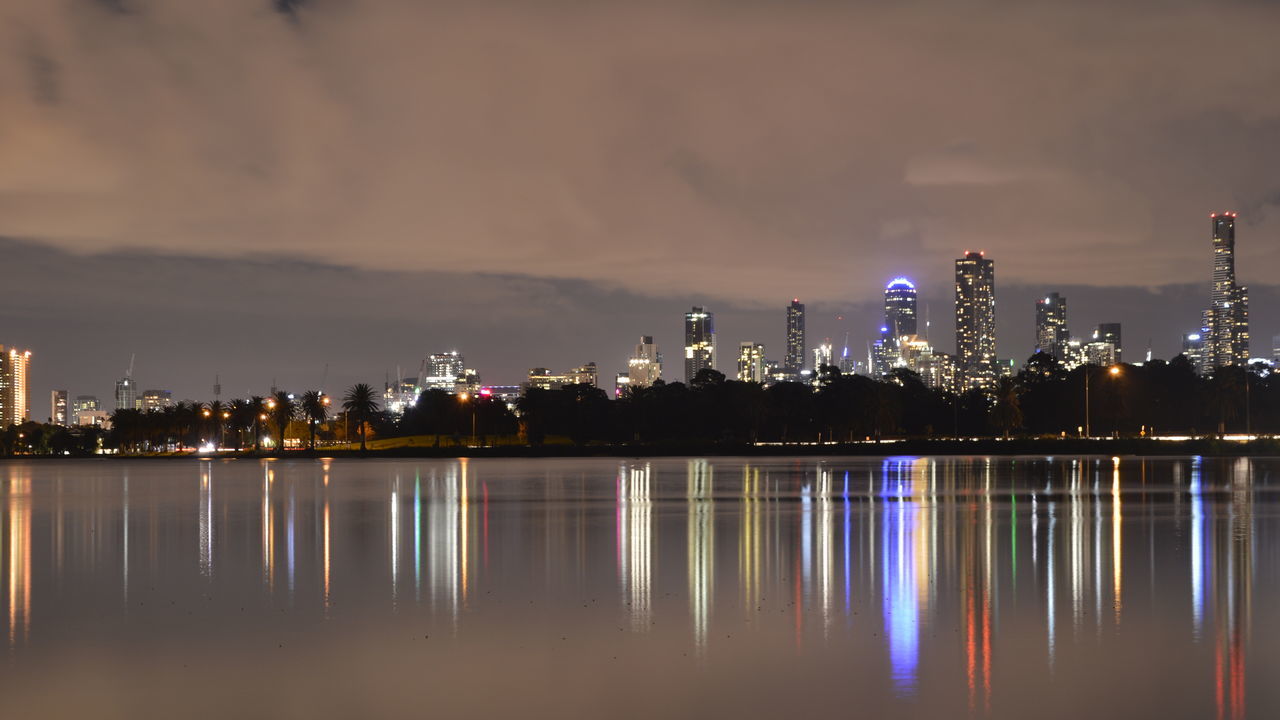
x=999 y=447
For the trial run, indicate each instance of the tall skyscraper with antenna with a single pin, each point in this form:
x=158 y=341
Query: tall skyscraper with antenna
x=794 y=361
x=976 y=321
x=1227 y=318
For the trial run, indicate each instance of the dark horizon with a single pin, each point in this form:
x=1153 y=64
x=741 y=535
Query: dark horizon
x=227 y=317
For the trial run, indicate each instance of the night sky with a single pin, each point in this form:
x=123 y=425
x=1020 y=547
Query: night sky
x=262 y=188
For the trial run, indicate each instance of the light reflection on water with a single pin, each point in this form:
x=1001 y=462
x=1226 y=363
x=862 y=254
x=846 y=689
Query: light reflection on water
x=940 y=583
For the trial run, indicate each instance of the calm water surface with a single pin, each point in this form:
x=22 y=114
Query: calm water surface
x=899 y=587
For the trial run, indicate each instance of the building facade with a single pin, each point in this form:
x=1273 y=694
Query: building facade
x=644 y=368
x=15 y=366
x=699 y=342
x=1226 y=320
x=543 y=379
x=1110 y=333
x=156 y=400
x=59 y=412
x=975 y=321
x=751 y=362
x=900 y=316
x=1193 y=348
x=1052 y=335
x=793 y=362
x=126 y=394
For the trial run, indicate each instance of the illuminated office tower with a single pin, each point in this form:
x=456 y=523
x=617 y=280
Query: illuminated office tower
x=699 y=342
x=126 y=394
x=1110 y=333
x=900 y=308
x=14 y=367
x=823 y=354
x=1193 y=348
x=751 y=362
x=794 y=360
x=441 y=371
x=156 y=400
x=1051 y=326
x=975 y=321
x=58 y=407
x=1275 y=348
x=86 y=403
x=644 y=368
x=1227 y=318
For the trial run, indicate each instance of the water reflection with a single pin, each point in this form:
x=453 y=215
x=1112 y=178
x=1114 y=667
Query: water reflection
x=969 y=579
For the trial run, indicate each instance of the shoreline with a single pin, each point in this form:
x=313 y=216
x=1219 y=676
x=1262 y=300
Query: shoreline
x=987 y=447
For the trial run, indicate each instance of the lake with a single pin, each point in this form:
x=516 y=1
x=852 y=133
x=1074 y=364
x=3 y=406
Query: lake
x=676 y=587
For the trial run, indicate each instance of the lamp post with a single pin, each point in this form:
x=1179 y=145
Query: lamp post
x=1114 y=370
x=466 y=398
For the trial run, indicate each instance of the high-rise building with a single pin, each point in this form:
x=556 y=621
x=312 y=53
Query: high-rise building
x=86 y=403
x=900 y=307
x=794 y=360
x=15 y=365
x=1193 y=348
x=823 y=354
x=126 y=394
x=58 y=414
x=156 y=400
x=1052 y=335
x=1110 y=333
x=1100 y=352
x=543 y=379
x=751 y=362
x=441 y=371
x=1275 y=348
x=1227 y=318
x=645 y=366
x=975 y=321
x=699 y=342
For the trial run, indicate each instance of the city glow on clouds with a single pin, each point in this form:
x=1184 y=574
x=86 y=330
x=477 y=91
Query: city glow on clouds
x=645 y=144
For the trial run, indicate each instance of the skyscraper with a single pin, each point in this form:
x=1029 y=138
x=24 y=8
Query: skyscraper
x=14 y=367
x=441 y=371
x=156 y=400
x=1193 y=348
x=975 y=321
x=126 y=394
x=900 y=307
x=1110 y=333
x=1227 y=318
x=644 y=368
x=1052 y=335
x=699 y=342
x=58 y=407
x=794 y=360
x=751 y=362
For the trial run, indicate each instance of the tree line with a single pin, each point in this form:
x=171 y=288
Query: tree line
x=1042 y=400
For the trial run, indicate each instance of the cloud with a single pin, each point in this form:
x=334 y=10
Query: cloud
x=746 y=152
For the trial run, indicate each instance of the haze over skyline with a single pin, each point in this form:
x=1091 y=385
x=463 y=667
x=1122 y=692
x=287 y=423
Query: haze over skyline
x=508 y=174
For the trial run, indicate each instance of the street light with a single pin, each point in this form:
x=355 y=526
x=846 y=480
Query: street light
x=464 y=397
x=1114 y=370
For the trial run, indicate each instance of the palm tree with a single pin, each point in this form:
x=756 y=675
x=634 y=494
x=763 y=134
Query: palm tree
x=361 y=402
x=243 y=417
x=315 y=407
x=1008 y=405
x=216 y=413
x=282 y=409
x=258 y=403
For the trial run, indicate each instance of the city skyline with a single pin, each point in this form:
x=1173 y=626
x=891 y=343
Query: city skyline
x=1014 y=320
